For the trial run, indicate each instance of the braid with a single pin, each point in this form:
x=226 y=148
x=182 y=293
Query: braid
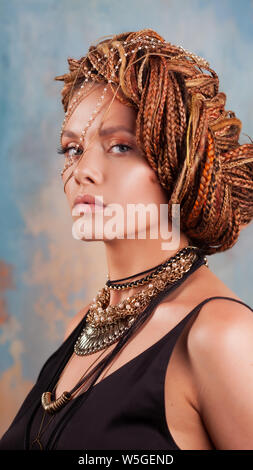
x=187 y=136
x=159 y=110
x=148 y=115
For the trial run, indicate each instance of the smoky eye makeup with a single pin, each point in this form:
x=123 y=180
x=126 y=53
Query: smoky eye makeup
x=65 y=150
x=124 y=147
x=76 y=151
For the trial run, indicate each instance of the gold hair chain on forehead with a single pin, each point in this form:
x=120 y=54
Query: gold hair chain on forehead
x=83 y=133
x=145 y=43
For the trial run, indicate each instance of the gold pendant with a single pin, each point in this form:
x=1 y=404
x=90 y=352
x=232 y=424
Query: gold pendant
x=56 y=405
x=94 y=339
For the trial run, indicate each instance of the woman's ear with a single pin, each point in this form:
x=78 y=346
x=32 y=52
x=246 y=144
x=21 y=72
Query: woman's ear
x=153 y=177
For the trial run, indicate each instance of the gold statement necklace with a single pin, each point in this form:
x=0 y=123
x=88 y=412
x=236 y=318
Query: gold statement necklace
x=105 y=323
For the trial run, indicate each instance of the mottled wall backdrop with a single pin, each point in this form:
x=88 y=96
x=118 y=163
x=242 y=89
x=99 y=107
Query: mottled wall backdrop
x=46 y=275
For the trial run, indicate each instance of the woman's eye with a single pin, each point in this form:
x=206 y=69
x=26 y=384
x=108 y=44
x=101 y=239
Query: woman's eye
x=70 y=151
x=73 y=151
x=126 y=147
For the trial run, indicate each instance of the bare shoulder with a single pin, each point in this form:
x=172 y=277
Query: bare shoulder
x=75 y=321
x=218 y=316
x=218 y=321
x=220 y=356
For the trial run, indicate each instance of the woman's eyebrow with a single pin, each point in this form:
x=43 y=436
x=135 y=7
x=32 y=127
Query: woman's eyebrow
x=102 y=132
x=111 y=130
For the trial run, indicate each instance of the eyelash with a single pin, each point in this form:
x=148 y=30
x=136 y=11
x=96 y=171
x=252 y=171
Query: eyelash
x=63 y=150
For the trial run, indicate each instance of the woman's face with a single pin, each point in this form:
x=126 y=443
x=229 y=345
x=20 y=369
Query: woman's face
x=112 y=166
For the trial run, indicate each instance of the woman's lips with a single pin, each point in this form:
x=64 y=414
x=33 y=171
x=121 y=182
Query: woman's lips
x=86 y=208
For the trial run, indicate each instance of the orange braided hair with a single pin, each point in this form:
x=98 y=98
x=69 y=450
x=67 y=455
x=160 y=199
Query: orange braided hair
x=187 y=136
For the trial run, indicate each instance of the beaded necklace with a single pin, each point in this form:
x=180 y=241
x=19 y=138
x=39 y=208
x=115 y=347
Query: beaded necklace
x=52 y=407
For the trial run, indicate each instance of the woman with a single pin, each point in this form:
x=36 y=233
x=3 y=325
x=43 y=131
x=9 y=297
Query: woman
x=145 y=125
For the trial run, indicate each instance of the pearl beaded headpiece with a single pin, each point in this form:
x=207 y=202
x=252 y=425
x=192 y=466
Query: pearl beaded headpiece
x=145 y=42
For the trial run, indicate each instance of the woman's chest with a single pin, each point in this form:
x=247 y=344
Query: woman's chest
x=177 y=394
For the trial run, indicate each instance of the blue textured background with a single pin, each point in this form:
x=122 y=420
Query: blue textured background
x=46 y=275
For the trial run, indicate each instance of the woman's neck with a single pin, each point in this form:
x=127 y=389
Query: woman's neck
x=127 y=257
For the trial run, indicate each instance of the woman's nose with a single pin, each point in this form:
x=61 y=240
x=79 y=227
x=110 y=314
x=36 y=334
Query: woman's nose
x=88 y=168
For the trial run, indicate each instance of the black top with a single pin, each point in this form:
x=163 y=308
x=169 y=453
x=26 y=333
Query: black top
x=125 y=410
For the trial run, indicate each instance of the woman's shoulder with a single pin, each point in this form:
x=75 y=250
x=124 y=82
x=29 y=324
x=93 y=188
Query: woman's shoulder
x=220 y=326
x=217 y=311
x=220 y=353
x=219 y=319
x=220 y=314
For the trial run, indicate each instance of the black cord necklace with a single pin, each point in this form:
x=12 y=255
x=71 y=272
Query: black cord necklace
x=114 y=284
x=102 y=364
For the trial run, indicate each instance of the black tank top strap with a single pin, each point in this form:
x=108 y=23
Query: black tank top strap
x=222 y=297
x=203 y=302
x=164 y=347
x=144 y=375
x=169 y=340
x=179 y=327
x=159 y=358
